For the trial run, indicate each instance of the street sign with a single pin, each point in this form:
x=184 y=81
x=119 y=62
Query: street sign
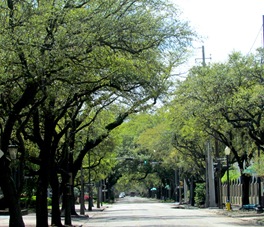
x=104 y=190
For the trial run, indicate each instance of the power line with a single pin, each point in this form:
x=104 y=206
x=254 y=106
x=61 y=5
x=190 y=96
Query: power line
x=255 y=39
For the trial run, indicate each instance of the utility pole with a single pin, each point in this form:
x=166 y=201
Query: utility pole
x=218 y=178
x=262 y=60
x=209 y=172
x=203 y=52
x=211 y=182
x=260 y=208
x=203 y=57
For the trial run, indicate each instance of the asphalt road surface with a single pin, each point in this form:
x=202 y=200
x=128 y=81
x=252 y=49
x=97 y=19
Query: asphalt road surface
x=136 y=211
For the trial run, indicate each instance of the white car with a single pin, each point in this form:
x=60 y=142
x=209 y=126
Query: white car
x=122 y=195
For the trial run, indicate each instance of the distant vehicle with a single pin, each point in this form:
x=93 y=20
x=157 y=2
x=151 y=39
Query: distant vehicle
x=122 y=195
x=132 y=194
x=86 y=197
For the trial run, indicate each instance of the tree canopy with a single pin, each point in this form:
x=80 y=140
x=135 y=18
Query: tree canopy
x=218 y=105
x=66 y=64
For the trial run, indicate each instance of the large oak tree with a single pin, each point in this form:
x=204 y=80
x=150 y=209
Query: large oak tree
x=61 y=59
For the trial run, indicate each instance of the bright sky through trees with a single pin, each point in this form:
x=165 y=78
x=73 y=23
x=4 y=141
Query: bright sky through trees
x=226 y=25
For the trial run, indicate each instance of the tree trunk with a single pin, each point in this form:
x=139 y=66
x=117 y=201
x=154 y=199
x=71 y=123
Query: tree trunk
x=192 y=193
x=73 y=199
x=67 y=202
x=56 y=216
x=41 y=202
x=8 y=188
x=245 y=189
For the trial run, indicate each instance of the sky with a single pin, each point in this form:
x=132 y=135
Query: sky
x=226 y=25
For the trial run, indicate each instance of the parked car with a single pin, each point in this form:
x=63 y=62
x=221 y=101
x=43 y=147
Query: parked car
x=86 y=197
x=122 y=195
x=132 y=194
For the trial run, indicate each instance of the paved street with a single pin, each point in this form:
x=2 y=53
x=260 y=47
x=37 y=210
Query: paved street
x=127 y=213
x=135 y=211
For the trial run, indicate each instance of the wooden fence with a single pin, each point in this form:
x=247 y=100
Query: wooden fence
x=236 y=192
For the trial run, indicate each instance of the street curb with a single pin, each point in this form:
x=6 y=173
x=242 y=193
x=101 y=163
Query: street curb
x=253 y=218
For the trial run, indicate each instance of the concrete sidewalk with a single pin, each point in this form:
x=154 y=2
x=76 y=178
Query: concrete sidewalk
x=80 y=220
x=248 y=215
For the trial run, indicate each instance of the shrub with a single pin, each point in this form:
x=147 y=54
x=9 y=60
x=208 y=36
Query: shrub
x=200 y=193
x=32 y=202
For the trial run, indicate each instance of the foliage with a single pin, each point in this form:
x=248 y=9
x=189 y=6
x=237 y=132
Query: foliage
x=200 y=194
x=70 y=65
x=234 y=174
x=26 y=202
x=217 y=101
x=257 y=165
x=220 y=104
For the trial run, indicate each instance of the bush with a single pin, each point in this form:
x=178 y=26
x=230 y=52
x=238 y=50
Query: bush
x=49 y=201
x=32 y=202
x=23 y=202
x=200 y=193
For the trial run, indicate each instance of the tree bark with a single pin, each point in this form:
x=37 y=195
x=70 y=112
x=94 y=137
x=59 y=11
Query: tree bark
x=41 y=195
x=245 y=189
x=41 y=204
x=55 y=215
x=10 y=193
